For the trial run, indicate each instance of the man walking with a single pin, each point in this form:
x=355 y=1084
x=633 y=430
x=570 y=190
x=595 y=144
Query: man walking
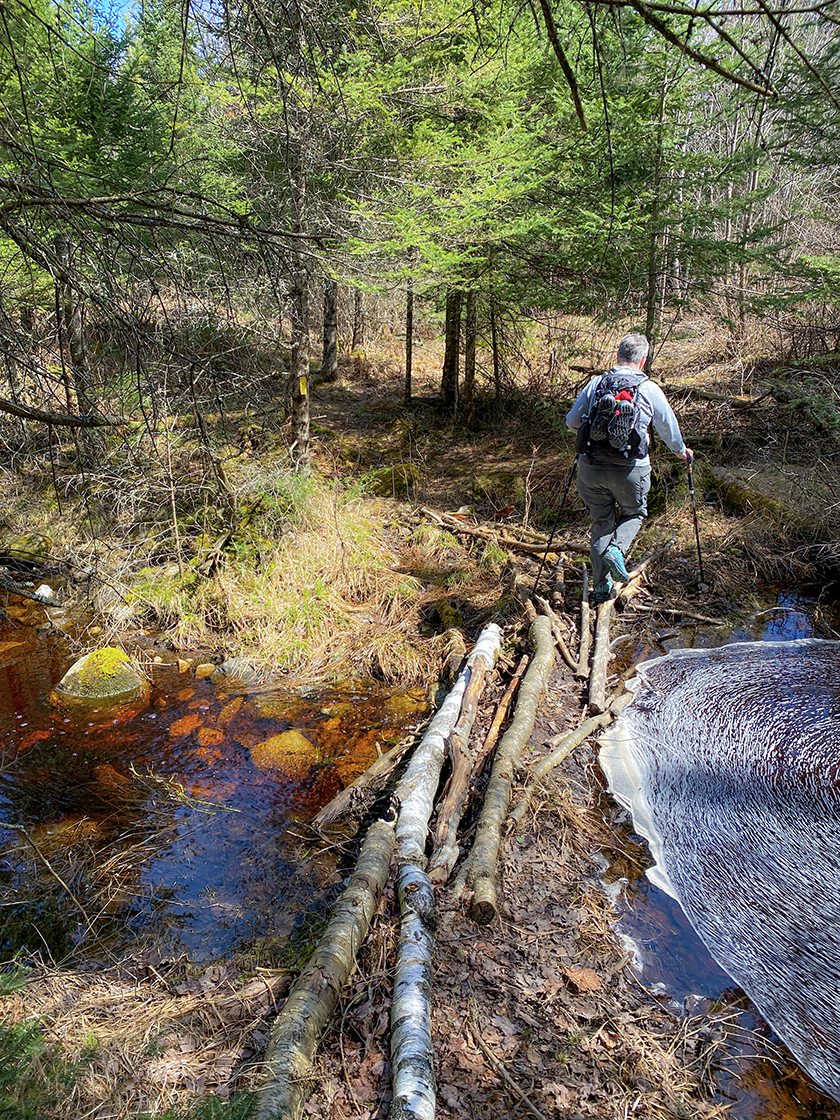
x=612 y=416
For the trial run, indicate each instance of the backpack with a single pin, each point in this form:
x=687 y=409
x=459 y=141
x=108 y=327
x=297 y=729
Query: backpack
x=614 y=431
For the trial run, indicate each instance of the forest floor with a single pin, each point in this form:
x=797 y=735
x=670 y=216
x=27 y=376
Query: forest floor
x=542 y=1013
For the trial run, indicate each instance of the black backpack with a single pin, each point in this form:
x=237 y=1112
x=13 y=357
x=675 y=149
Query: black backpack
x=613 y=431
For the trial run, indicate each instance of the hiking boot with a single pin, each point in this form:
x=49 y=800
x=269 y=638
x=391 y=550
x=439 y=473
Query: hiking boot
x=602 y=591
x=602 y=419
x=614 y=563
x=621 y=424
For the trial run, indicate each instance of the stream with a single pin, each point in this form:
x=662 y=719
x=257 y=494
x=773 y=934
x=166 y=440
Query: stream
x=171 y=838
x=755 y=1076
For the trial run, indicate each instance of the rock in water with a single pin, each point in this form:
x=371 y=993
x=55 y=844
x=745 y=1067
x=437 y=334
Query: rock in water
x=729 y=760
x=104 y=679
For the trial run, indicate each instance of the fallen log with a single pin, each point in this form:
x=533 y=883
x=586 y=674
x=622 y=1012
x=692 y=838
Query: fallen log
x=456 y=526
x=351 y=795
x=416 y=790
x=495 y=727
x=547 y=610
x=709 y=395
x=600 y=660
x=412 y=1055
x=299 y=1026
x=479 y=871
x=445 y=851
x=636 y=576
x=585 y=636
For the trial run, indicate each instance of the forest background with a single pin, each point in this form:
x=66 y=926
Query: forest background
x=213 y=212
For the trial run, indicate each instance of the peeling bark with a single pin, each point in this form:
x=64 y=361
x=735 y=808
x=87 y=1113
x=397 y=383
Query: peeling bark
x=345 y=799
x=412 y=1055
x=600 y=660
x=298 y=1027
x=416 y=791
x=585 y=635
x=455 y=796
x=480 y=868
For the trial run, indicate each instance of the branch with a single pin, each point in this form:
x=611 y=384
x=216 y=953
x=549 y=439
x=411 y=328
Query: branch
x=60 y=419
x=569 y=73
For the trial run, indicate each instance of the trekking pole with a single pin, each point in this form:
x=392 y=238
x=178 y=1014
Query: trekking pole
x=688 y=463
x=556 y=523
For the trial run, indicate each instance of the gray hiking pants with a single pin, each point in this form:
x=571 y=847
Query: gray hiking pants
x=616 y=498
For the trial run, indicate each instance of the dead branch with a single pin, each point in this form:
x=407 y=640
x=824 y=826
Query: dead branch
x=496 y=724
x=416 y=790
x=351 y=795
x=546 y=609
x=456 y=526
x=445 y=851
x=299 y=1026
x=585 y=635
x=724 y=398
x=479 y=870
x=600 y=659
x=60 y=419
x=499 y=1068
x=636 y=575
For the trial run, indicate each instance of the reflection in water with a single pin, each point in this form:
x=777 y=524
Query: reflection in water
x=201 y=843
x=668 y=952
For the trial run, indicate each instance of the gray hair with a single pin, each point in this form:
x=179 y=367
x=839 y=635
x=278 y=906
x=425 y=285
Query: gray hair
x=632 y=348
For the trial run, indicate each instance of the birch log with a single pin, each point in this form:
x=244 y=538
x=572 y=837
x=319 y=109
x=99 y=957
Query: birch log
x=412 y=1056
x=600 y=660
x=451 y=808
x=499 y=718
x=480 y=868
x=585 y=636
x=299 y=1026
x=416 y=790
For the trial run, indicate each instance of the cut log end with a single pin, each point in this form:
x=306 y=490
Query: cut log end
x=484 y=908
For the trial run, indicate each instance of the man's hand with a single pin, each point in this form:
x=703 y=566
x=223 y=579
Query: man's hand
x=687 y=456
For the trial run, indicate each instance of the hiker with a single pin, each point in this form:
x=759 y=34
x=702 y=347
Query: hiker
x=611 y=417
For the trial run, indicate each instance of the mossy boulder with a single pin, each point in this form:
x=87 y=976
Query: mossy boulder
x=395 y=482
x=103 y=679
x=29 y=547
x=290 y=752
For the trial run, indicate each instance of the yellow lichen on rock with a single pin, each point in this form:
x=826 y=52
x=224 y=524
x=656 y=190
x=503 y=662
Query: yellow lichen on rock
x=290 y=752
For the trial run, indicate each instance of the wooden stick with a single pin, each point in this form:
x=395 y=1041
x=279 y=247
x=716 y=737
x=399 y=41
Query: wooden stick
x=479 y=870
x=585 y=636
x=675 y=612
x=600 y=660
x=445 y=851
x=456 y=526
x=546 y=609
x=495 y=727
x=558 y=594
x=500 y=1069
x=635 y=580
x=564 y=744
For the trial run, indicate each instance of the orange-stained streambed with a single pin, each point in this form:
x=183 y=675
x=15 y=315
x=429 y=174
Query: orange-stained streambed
x=175 y=825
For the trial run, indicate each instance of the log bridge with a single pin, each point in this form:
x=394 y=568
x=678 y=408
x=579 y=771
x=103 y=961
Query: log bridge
x=423 y=858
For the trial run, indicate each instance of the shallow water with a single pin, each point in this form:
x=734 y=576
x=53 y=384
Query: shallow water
x=173 y=837
x=757 y=1078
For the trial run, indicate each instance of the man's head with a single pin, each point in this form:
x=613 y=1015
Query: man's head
x=632 y=350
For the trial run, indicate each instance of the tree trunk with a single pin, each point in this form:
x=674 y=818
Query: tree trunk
x=469 y=360
x=358 y=338
x=409 y=339
x=600 y=660
x=299 y=1026
x=72 y=324
x=412 y=1055
x=329 y=353
x=449 y=377
x=494 y=340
